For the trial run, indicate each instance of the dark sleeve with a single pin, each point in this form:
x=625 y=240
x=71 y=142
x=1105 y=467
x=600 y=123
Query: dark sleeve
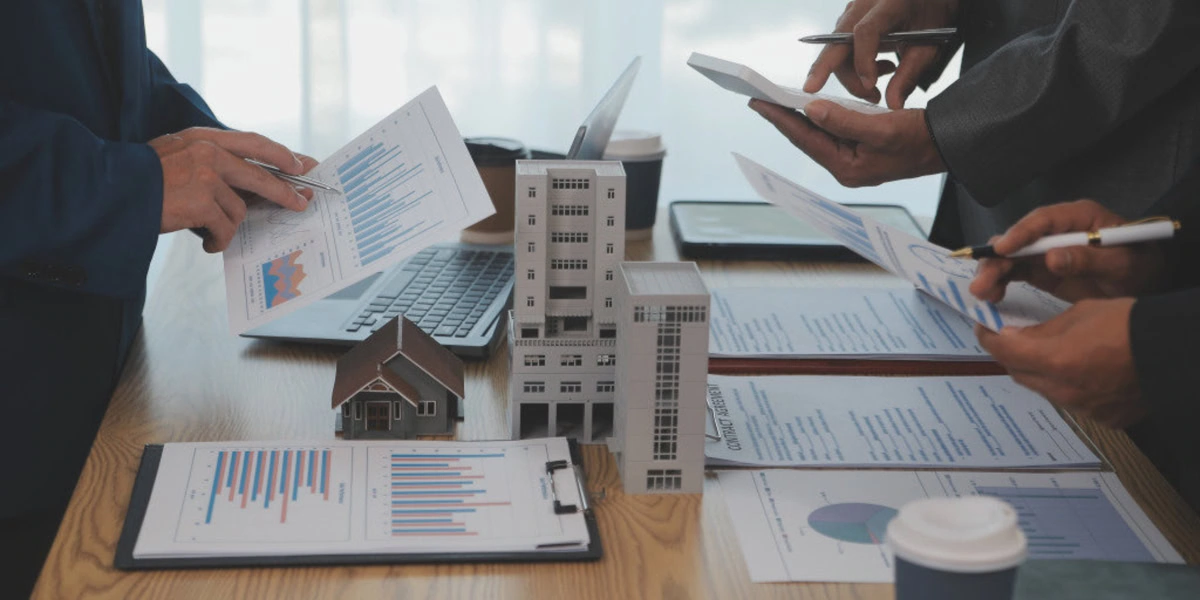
x=1055 y=91
x=175 y=106
x=75 y=210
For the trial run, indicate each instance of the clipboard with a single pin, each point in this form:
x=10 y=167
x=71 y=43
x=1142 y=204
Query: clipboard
x=143 y=485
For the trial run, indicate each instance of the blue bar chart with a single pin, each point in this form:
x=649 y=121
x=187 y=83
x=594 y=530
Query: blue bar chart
x=258 y=494
x=382 y=187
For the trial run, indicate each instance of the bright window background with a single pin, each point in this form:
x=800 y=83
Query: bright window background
x=313 y=73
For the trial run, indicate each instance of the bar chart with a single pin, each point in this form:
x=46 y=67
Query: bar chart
x=267 y=495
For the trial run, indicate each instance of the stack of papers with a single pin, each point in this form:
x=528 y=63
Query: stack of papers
x=799 y=323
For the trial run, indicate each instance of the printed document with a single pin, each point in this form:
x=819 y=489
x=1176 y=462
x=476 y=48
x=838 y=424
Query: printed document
x=910 y=422
x=925 y=265
x=404 y=184
x=287 y=499
x=830 y=525
x=838 y=323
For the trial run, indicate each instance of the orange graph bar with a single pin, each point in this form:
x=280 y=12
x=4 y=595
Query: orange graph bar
x=435 y=477
x=283 y=510
x=328 y=468
x=405 y=533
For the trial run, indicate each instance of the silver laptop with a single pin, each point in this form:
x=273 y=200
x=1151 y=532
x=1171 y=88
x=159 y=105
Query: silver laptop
x=457 y=293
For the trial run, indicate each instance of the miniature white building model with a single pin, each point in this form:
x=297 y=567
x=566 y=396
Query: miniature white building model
x=662 y=339
x=570 y=241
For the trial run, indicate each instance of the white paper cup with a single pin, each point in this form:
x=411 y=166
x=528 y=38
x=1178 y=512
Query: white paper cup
x=641 y=154
x=953 y=548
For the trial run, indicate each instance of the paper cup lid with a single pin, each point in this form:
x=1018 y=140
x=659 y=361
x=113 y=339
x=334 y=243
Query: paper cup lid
x=628 y=143
x=975 y=534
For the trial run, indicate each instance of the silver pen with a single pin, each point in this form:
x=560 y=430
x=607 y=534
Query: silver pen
x=944 y=35
x=296 y=179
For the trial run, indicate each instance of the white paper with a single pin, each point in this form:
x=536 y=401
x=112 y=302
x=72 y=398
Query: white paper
x=283 y=499
x=404 y=184
x=743 y=80
x=925 y=265
x=830 y=525
x=909 y=422
x=838 y=323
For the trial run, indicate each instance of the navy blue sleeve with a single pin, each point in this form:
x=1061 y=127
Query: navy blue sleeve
x=84 y=209
x=175 y=106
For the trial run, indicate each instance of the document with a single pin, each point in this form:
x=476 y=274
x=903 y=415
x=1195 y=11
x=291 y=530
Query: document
x=830 y=525
x=406 y=497
x=404 y=184
x=925 y=265
x=911 y=422
x=838 y=323
x=743 y=80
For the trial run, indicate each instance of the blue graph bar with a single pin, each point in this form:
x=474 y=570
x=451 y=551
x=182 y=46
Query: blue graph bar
x=957 y=296
x=245 y=473
x=447 y=530
x=396 y=483
x=296 y=481
x=312 y=460
x=410 y=502
x=403 y=521
x=425 y=511
x=257 y=473
x=324 y=465
x=428 y=474
x=447 y=456
x=358 y=157
x=216 y=479
x=270 y=483
x=996 y=315
x=233 y=456
x=924 y=282
x=410 y=465
x=433 y=492
x=979 y=313
x=282 y=476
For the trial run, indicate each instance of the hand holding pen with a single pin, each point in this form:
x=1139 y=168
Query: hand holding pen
x=1075 y=271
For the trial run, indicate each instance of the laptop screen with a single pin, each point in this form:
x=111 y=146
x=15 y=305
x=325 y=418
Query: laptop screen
x=592 y=137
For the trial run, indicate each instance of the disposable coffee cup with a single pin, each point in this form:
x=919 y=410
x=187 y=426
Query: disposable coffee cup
x=641 y=154
x=956 y=548
x=496 y=158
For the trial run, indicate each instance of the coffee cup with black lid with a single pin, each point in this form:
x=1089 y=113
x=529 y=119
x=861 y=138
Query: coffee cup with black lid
x=641 y=154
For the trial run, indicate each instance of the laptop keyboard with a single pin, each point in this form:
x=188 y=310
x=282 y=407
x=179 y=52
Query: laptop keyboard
x=444 y=291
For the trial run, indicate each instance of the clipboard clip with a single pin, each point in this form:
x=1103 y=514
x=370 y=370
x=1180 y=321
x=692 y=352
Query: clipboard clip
x=560 y=508
x=712 y=412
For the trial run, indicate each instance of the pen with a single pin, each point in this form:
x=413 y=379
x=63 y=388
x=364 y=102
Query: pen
x=944 y=35
x=296 y=179
x=1146 y=230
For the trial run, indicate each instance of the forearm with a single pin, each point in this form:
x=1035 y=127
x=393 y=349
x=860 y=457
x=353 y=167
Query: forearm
x=1055 y=91
x=175 y=106
x=75 y=210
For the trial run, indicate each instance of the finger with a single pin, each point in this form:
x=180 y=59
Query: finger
x=252 y=145
x=307 y=163
x=1081 y=215
x=1013 y=347
x=231 y=204
x=853 y=83
x=845 y=123
x=914 y=61
x=800 y=132
x=1080 y=261
x=885 y=67
x=242 y=175
x=991 y=279
x=833 y=56
x=866 y=45
x=220 y=229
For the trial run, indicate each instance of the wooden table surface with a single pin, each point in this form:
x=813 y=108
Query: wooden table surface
x=189 y=380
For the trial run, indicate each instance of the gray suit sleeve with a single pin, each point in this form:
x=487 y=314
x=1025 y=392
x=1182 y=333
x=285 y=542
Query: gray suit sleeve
x=1054 y=91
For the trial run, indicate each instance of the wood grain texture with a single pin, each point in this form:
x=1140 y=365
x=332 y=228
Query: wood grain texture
x=188 y=379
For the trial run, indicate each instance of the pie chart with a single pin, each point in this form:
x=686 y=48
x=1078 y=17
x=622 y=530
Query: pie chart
x=853 y=522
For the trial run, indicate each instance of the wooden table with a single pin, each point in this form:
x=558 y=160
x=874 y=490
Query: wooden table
x=188 y=380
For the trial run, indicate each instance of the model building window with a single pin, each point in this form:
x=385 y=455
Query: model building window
x=529 y=332
x=569 y=184
x=570 y=387
x=611 y=221
x=569 y=238
x=605 y=387
x=608 y=333
x=535 y=360
x=378 y=418
x=570 y=210
x=612 y=193
x=664 y=479
x=531 y=246
x=608 y=303
x=532 y=220
x=606 y=360
x=530 y=274
x=396 y=412
x=534 y=387
x=569 y=264
x=608 y=248
x=346 y=411
x=572 y=360
x=357 y=411
x=533 y=192
x=427 y=408
x=608 y=275
x=529 y=301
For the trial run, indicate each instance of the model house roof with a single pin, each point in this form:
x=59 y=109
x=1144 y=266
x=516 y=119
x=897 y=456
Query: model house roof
x=368 y=361
x=663 y=279
x=542 y=167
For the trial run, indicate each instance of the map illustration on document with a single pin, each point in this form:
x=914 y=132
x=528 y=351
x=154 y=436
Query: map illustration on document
x=403 y=185
x=927 y=266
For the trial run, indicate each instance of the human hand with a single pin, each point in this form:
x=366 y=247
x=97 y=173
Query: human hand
x=856 y=65
x=858 y=149
x=1080 y=360
x=204 y=171
x=1071 y=273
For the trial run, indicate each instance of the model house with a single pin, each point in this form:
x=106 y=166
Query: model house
x=570 y=241
x=398 y=384
x=662 y=377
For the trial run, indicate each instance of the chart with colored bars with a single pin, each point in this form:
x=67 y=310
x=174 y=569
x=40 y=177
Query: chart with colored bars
x=427 y=492
x=382 y=188
x=1072 y=523
x=281 y=279
x=267 y=495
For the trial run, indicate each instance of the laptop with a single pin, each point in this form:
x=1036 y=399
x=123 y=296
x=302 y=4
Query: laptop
x=458 y=293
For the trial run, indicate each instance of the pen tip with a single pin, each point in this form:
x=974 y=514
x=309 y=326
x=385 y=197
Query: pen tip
x=961 y=253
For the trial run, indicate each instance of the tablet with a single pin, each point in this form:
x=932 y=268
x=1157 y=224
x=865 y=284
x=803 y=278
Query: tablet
x=743 y=80
x=762 y=231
